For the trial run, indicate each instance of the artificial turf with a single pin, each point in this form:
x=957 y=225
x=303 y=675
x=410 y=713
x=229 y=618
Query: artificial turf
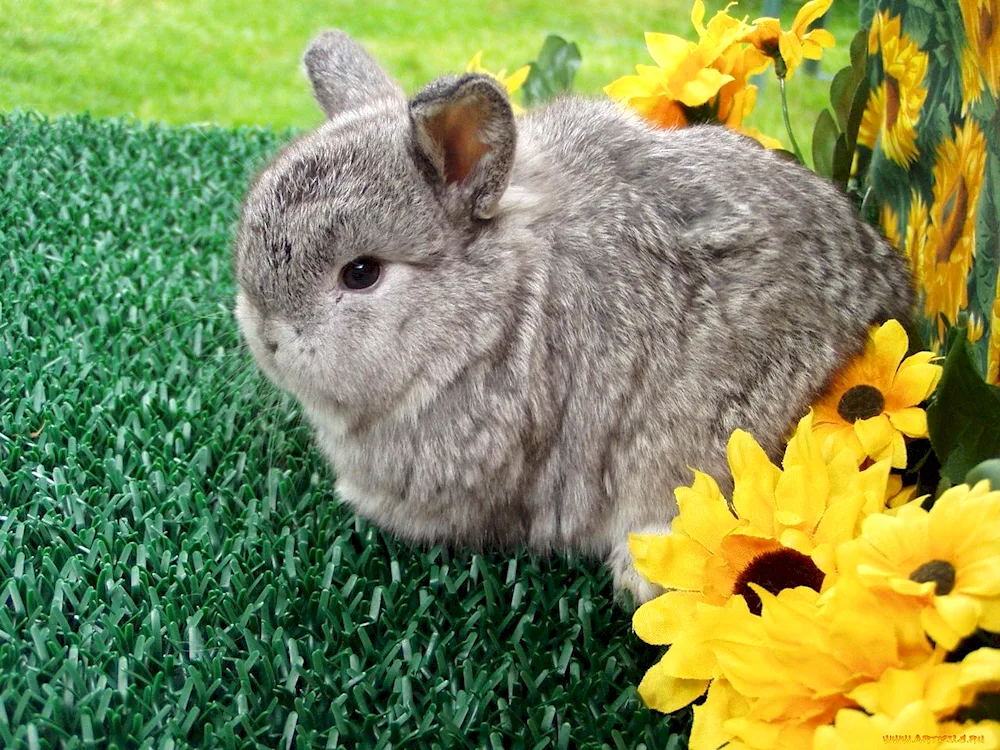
x=175 y=568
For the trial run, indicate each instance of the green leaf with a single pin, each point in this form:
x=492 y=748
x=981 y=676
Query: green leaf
x=842 y=94
x=989 y=470
x=858 y=105
x=964 y=417
x=842 y=158
x=824 y=140
x=859 y=53
x=553 y=72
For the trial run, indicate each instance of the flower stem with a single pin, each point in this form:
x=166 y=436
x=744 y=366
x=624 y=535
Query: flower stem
x=788 y=122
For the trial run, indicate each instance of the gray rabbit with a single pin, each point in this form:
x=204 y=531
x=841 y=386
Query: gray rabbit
x=529 y=331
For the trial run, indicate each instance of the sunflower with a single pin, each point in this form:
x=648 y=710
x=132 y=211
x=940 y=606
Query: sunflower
x=951 y=239
x=788 y=48
x=947 y=560
x=993 y=353
x=916 y=702
x=796 y=664
x=736 y=99
x=686 y=82
x=873 y=402
x=889 y=221
x=786 y=524
x=857 y=730
x=511 y=83
x=900 y=95
x=981 y=56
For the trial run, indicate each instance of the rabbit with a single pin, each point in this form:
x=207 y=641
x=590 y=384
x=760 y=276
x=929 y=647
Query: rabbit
x=527 y=332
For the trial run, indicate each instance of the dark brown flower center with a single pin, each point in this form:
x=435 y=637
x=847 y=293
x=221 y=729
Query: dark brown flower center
x=861 y=402
x=892 y=102
x=939 y=571
x=953 y=220
x=774 y=571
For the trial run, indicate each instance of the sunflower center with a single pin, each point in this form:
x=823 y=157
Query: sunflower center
x=953 y=218
x=861 y=402
x=774 y=571
x=987 y=25
x=939 y=571
x=891 y=102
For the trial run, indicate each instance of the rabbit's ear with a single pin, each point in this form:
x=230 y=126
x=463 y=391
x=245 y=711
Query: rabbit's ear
x=344 y=77
x=465 y=129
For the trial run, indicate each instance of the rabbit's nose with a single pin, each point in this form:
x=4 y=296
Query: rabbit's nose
x=271 y=344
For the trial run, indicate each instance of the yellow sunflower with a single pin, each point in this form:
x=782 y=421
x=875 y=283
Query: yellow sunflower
x=915 y=724
x=947 y=560
x=945 y=687
x=736 y=99
x=917 y=702
x=873 y=402
x=889 y=222
x=951 y=239
x=981 y=56
x=791 y=47
x=871 y=121
x=690 y=76
x=512 y=82
x=900 y=95
x=796 y=665
x=786 y=524
x=993 y=353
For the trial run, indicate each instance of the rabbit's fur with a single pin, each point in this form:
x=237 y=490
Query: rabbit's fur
x=574 y=310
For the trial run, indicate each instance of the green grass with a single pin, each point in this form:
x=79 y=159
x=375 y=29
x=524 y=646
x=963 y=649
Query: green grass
x=234 y=62
x=174 y=569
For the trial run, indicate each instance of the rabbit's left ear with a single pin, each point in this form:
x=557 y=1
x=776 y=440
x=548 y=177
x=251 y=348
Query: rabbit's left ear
x=465 y=129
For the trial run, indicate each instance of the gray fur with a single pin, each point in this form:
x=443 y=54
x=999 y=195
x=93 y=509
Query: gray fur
x=548 y=376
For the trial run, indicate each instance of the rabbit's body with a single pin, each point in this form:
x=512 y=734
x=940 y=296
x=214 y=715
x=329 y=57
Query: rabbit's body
x=559 y=360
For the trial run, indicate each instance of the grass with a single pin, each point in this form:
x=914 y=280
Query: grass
x=234 y=62
x=174 y=569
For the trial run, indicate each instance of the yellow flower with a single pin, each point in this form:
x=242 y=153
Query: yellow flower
x=512 y=82
x=993 y=353
x=898 y=98
x=947 y=560
x=981 y=56
x=943 y=686
x=915 y=725
x=917 y=702
x=797 y=663
x=871 y=121
x=890 y=224
x=794 y=45
x=786 y=525
x=951 y=239
x=694 y=81
x=873 y=402
x=974 y=328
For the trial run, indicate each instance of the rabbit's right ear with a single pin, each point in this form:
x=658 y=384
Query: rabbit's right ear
x=344 y=77
x=464 y=127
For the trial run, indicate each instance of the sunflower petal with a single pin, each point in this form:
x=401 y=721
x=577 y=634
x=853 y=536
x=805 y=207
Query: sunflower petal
x=721 y=704
x=674 y=561
x=662 y=692
x=703 y=87
x=667 y=50
x=911 y=421
x=875 y=434
x=913 y=385
x=662 y=620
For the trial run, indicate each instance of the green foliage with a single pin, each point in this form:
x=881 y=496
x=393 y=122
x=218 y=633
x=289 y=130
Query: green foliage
x=964 y=415
x=835 y=140
x=174 y=568
x=988 y=470
x=553 y=72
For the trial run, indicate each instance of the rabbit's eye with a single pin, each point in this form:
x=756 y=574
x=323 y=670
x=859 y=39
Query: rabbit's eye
x=361 y=273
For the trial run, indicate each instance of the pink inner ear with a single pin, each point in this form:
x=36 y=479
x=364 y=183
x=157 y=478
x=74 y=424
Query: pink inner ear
x=456 y=132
